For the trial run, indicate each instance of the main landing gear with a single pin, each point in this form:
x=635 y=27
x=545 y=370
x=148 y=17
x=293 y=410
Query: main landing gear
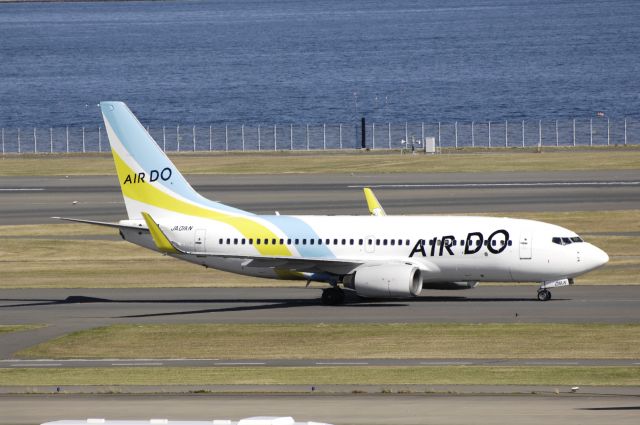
x=332 y=296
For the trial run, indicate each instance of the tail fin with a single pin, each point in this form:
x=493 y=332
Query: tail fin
x=148 y=179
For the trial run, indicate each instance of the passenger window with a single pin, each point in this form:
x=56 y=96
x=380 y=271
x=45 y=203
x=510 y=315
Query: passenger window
x=266 y=241
x=242 y=241
x=393 y=242
x=400 y=242
x=360 y=242
x=311 y=241
x=220 y=241
x=304 y=242
x=335 y=242
x=509 y=243
x=327 y=241
x=288 y=241
x=273 y=241
x=297 y=241
x=344 y=242
x=384 y=242
x=377 y=242
x=350 y=241
x=250 y=241
x=228 y=241
x=281 y=241
x=369 y=241
x=319 y=241
x=408 y=242
x=257 y=241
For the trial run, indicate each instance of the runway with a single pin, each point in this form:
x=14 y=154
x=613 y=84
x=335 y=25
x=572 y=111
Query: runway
x=32 y=200
x=341 y=409
x=67 y=310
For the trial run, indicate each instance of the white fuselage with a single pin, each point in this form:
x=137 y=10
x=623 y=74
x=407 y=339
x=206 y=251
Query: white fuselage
x=445 y=248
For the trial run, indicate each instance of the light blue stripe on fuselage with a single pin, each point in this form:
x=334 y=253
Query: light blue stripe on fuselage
x=148 y=154
x=295 y=228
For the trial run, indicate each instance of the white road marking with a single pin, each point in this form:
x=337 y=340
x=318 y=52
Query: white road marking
x=526 y=184
x=36 y=365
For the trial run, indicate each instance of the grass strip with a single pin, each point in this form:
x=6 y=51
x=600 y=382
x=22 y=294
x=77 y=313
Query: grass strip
x=462 y=160
x=346 y=341
x=17 y=328
x=362 y=375
x=75 y=256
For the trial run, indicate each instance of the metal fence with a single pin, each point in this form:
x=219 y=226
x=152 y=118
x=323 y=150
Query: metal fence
x=600 y=131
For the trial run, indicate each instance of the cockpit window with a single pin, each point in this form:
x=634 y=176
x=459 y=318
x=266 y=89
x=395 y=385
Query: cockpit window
x=566 y=241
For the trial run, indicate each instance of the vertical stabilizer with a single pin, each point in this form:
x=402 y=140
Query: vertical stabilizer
x=149 y=181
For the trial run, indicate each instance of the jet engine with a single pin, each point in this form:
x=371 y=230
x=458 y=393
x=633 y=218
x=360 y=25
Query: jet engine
x=386 y=281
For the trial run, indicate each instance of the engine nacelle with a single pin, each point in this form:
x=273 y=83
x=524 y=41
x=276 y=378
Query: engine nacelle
x=451 y=285
x=386 y=281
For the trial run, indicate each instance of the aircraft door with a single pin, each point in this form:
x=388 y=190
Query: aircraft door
x=525 y=246
x=199 y=240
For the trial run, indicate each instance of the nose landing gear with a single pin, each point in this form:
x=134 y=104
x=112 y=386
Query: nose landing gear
x=544 y=295
x=543 y=292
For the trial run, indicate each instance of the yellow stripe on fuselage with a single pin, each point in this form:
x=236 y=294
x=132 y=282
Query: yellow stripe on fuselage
x=146 y=193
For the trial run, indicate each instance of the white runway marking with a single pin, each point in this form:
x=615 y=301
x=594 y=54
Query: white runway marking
x=36 y=365
x=444 y=363
x=523 y=184
x=21 y=189
x=138 y=364
x=240 y=363
x=341 y=363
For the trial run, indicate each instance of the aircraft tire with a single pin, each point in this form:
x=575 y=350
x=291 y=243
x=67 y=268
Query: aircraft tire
x=332 y=296
x=544 y=295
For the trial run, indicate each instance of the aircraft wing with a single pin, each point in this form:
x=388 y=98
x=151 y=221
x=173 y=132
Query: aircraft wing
x=307 y=264
x=375 y=208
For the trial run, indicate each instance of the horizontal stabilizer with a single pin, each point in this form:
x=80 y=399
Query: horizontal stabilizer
x=100 y=223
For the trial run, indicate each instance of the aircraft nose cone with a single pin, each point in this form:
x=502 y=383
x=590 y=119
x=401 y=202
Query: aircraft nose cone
x=597 y=257
x=602 y=257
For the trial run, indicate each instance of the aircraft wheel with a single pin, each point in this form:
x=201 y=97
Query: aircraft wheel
x=332 y=296
x=544 y=295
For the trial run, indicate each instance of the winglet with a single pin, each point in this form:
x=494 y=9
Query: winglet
x=159 y=238
x=372 y=202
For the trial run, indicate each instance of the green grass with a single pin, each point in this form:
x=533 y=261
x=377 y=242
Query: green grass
x=17 y=328
x=340 y=341
x=463 y=160
x=363 y=375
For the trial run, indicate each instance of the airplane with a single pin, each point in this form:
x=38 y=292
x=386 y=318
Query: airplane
x=374 y=256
